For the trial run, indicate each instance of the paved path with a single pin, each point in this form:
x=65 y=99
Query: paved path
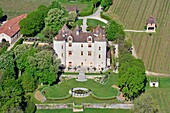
x=84 y=26
x=135 y=31
x=156 y=74
x=95 y=16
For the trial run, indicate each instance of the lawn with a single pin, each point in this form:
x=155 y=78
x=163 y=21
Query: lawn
x=94 y=23
x=98 y=89
x=161 y=94
x=105 y=92
x=153 y=50
x=85 y=111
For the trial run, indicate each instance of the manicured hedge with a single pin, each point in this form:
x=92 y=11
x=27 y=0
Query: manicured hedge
x=88 y=10
x=103 y=98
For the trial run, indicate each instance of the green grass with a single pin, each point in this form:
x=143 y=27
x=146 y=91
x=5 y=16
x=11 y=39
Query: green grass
x=161 y=94
x=94 y=23
x=164 y=82
x=104 y=92
x=85 y=111
x=99 y=90
x=79 y=22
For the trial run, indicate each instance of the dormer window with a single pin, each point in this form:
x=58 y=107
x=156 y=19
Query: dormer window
x=69 y=39
x=89 y=39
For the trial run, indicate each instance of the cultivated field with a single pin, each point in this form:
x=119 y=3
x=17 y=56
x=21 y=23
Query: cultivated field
x=13 y=8
x=153 y=50
x=161 y=94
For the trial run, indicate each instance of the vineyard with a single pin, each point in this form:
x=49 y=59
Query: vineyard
x=161 y=94
x=13 y=8
x=153 y=49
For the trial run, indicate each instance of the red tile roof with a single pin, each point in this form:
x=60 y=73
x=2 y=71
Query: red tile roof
x=11 y=27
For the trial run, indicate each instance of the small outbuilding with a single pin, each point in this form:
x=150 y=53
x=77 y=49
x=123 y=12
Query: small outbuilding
x=151 y=24
x=11 y=29
x=154 y=83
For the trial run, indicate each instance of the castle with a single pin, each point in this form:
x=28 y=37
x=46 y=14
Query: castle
x=77 y=48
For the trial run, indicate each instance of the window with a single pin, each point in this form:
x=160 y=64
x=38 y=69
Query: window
x=62 y=47
x=81 y=53
x=89 y=45
x=69 y=52
x=81 y=45
x=99 y=48
x=70 y=44
x=70 y=64
x=81 y=63
x=89 y=53
x=99 y=56
x=89 y=39
x=69 y=38
x=62 y=55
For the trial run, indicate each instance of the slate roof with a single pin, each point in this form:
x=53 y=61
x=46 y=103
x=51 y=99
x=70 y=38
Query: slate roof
x=11 y=27
x=151 y=20
x=65 y=32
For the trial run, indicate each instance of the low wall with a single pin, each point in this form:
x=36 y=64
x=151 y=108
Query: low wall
x=87 y=76
x=86 y=105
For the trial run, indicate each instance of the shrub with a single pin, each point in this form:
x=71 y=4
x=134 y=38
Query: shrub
x=106 y=17
x=31 y=108
x=3 y=49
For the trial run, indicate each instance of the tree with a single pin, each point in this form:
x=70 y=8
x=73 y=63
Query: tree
x=11 y=94
x=106 y=3
x=1 y=13
x=132 y=78
x=7 y=65
x=72 y=16
x=56 y=18
x=48 y=32
x=28 y=81
x=34 y=22
x=145 y=104
x=31 y=108
x=114 y=31
x=44 y=66
x=55 y=4
x=21 y=54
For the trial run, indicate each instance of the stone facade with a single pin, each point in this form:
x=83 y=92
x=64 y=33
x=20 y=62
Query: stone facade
x=77 y=48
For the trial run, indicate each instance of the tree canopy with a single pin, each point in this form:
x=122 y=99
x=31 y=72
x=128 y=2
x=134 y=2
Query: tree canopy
x=132 y=78
x=7 y=65
x=21 y=55
x=56 y=18
x=11 y=94
x=44 y=66
x=106 y=3
x=145 y=104
x=114 y=31
x=34 y=22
